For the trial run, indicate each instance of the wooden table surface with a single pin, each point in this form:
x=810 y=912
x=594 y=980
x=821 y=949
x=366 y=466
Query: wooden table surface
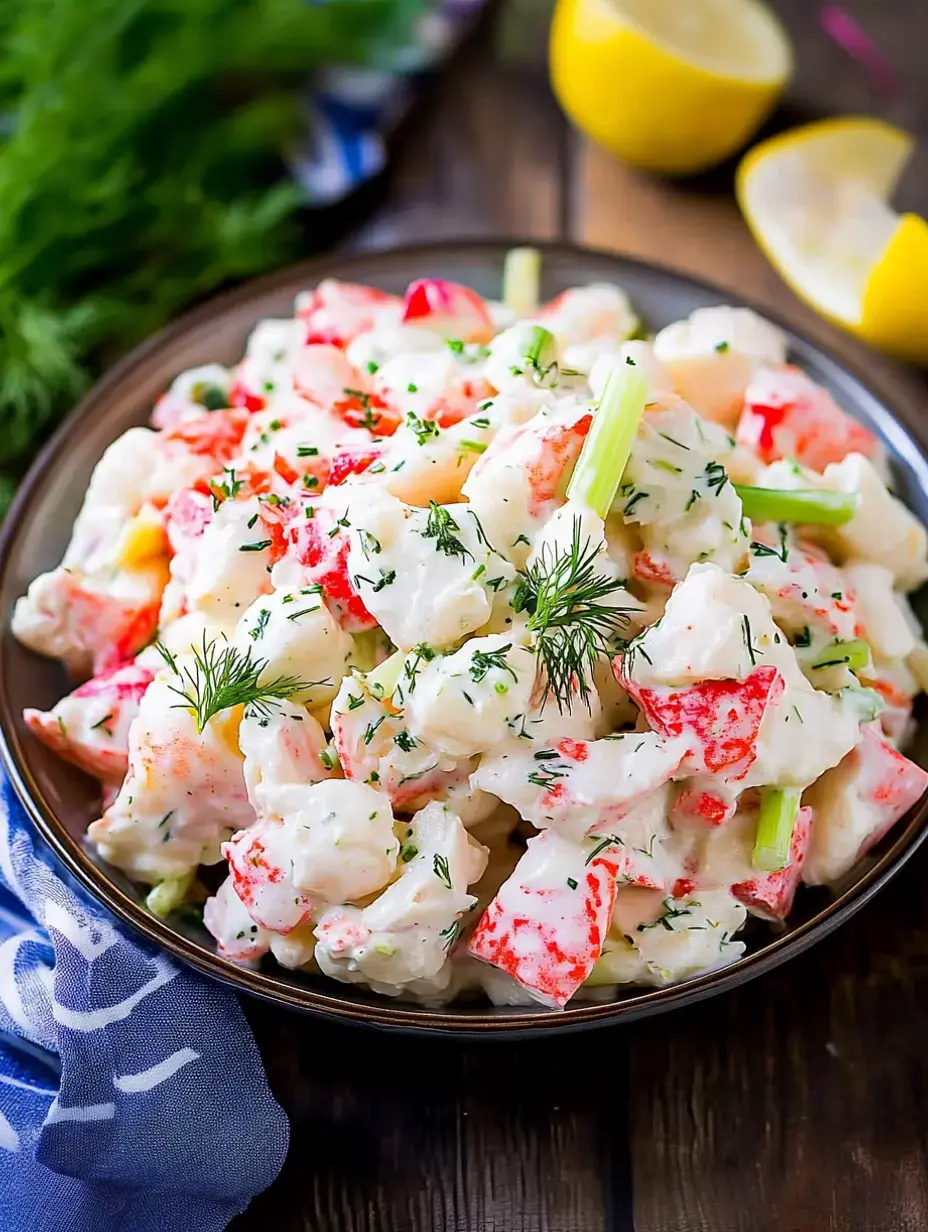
x=797 y=1103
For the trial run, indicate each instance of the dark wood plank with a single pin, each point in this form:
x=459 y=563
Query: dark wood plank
x=392 y=1133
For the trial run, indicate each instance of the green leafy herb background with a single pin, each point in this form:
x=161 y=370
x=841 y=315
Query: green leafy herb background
x=140 y=167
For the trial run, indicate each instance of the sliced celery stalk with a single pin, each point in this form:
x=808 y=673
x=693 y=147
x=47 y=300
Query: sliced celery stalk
x=779 y=809
x=606 y=450
x=521 y=279
x=804 y=505
x=169 y=894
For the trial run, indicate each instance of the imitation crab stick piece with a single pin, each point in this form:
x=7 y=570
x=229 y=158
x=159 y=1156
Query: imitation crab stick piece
x=90 y=727
x=786 y=415
x=449 y=309
x=858 y=802
x=548 y=921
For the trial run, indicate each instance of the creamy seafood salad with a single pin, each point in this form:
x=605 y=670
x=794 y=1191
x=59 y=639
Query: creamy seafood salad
x=488 y=645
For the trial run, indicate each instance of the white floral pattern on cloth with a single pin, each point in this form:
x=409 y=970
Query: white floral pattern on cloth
x=132 y=1095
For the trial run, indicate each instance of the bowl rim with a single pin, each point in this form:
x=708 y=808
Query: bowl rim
x=386 y=1013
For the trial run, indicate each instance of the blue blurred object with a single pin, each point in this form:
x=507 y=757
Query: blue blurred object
x=351 y=112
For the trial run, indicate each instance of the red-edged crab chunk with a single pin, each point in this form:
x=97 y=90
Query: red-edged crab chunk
x=717 y=670
x=191 y=394
x=443 y=386
x=578 y=786
x=722 y=859
x=521 y=479
x=546 y=926
x=284 y=745
x=337 y=312
x=858 y=802
x=679 y=498
x=449 y=309
x=236 y=934
x=890 y=628
x=224 y=568
x=295 y=635
x=588 y=322
x=317 y=547
x=332 y=842
x=90 y=727
x=404 y=936
x=676 y=936
x=713 y=354
x=184 y=792
x=375 y=746
x=704 y=800
x=266 y=371
x=811 y=600
x=786 y=415
x=469 y=701
x=426 y=575
x=882 y=531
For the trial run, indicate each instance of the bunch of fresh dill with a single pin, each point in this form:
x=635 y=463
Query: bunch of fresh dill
x=140 y=167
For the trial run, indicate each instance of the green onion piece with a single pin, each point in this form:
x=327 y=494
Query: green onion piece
x=779 y=809
x=606 y=450
x=854 y=654
x=539 y=341
x=383 y=679
x=521 y=278
x=169 y=894
x=804 y=505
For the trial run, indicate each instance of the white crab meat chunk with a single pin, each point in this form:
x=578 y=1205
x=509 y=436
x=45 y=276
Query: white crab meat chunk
x=425 y=575
x=442 y=386
x=718 y=672
x=237 y=936
x=369 y=351
x=231 y=562
x=90 y=726
x=588 y=322
x=283 y=745
x=722 y=859
x=424 y=462
x=464 y=703
x=713 y=354
x=326 y=842
x=520 y=481
x=679 y=938
x=813 y=602
x=637 y=354
x=184 y=792
x=404 y=935
x=545 y=927
x=882 y=531
x=295 y=635
x=374 y=745
x=577 y=786
x=680 y=498
x=858 y=802
x=266 y=371
x=881 y=611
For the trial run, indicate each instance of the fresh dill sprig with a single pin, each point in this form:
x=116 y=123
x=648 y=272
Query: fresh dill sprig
x=440 y=526
x=222 y=677
x=573 y=626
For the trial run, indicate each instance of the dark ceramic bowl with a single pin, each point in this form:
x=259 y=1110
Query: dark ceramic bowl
x=62 y=801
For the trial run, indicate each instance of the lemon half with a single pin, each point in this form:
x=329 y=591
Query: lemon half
x=816 y=199
x=670 y=85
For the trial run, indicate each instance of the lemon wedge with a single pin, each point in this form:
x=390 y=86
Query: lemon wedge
x=669 y=85
x=816 y=199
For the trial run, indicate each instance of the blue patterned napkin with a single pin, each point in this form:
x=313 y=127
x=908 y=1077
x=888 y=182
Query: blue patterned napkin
x=132 y=1095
